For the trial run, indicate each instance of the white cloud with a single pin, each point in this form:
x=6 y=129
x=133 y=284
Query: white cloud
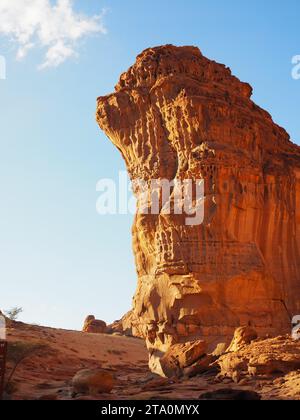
x=52 y=25
x=57 y=54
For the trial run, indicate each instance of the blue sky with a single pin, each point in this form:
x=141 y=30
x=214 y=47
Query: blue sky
x=60 y=260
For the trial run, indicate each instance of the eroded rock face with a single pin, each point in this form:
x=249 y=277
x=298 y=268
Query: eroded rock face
x=177 y=115
x=128 y=326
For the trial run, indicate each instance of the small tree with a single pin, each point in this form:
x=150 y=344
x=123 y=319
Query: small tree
x=13 y=314
x=17 y=352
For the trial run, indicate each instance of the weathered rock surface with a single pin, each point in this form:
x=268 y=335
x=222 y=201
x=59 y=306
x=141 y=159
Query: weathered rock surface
x=179 y=357
x=177 y=115
x=220 y=350
x=203 y=365
x=276 y=356
x=94 y=326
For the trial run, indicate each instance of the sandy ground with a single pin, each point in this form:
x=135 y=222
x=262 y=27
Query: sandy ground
x=66 y=352
x=48 y=374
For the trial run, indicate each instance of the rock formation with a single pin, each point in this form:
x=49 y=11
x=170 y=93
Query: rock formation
x=94 y=326
x=280 y=355
x=125 y=326
x=242 y=337
x=179 y=357
x=177 y=115
x=93 y=382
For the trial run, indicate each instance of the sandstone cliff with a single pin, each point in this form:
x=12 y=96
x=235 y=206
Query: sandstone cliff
x=176 y=115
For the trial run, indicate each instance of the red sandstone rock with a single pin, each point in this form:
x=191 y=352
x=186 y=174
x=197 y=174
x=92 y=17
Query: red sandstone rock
x=204 y=364
x=93 y=382
x=279 y=356
x=94 y=326
x=177 y=115
x=179 y=357
x=128 y=326
x=242 y=337
x=220 y=350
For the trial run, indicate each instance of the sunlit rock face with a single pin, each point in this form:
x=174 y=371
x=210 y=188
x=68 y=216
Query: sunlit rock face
x=177 y=115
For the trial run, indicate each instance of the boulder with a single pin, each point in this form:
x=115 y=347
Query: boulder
x=233 y=366
x=94 y=326
x=242 y=337
x=93 y=382
x=203 y=365
x=220 y=349
x=181 y=356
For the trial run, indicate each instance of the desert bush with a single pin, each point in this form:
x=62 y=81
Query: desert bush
x=13 y=314
x=17 y=352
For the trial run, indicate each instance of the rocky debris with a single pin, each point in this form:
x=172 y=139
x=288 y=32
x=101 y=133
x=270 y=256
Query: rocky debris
x=203 y=365
x=232 y=366
x=133 y=380
x=179 y=357
x=289 y=386
x=94 y=326
x=275 y=356
x=93 y=382
x=176 y=115
x=231 y=395
x=242 y=337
